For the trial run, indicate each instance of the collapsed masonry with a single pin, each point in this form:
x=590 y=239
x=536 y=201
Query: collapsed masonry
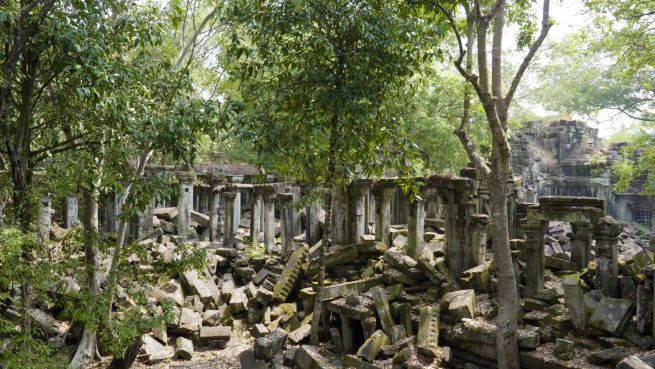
x=419 y=294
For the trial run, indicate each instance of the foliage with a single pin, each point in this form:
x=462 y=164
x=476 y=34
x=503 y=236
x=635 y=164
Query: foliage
x=304 y=65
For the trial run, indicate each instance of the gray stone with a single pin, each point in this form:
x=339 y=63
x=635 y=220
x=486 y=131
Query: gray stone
x=460 y=304
x=308 y=357
x=382 y=308
x=238 y=301
x=611 y=314
x=371 y=348
x=247 y=360
x=350 y=361
x=427 y=340
x=574 y=294
x=563 y=349
x=154 y=351
x=269 y=345
x=183 y=348
x=612 y=356
x=633 y=362
x=290 y=274
x=397 y=333
x=189 y=322
x=219 y=333
x=298 y=335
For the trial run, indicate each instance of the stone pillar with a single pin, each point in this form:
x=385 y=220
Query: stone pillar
x=581 y=244
x=383 y=195
x=214 y=221
x=237 y=204
x=145 y=221
x=357 y=210
x=269 y=219
x=228 y=228
x=606 y=234
x=72 y=210
x=313 y=226
x=185 y=203
x=296 y=227
x=286 y=221
x=534 y=254
x=256 y=215
x=574 y=296
x=415 y=228
x=454 y=213
x=370 y=210
x=45 y=215
x=203 y=200
x=339 y=234
x=478 y=237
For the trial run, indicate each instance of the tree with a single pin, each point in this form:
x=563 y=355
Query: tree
x=480 y=16
x=318 y=81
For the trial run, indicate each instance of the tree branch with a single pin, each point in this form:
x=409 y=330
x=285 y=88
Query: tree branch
x=545 y=27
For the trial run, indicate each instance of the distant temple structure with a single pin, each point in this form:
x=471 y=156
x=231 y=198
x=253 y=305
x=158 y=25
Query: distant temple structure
x=568 y=158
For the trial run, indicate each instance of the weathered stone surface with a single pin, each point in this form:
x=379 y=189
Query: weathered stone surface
x=427 y=340
x=563 y=349
x=308 y=357
x=397 y=333
x=348 y=288
x=382 y=308
x=350 y=361
x=154 y=351
x=238 y=301
x=403 y=263
x=633 y=362
x=298 y=335
x=183 y=348
x=290 y=274
x=248 y=361
x=227 y=287
x=171 y=291
x=574 y=294
x=611 y=314
x=612 y=356
x=189 y=322
x=165 y=213
x=336 y=345
x=460 y=304
x=476 y=278
x=219 y=333
x=371 y=348
x=270 y=344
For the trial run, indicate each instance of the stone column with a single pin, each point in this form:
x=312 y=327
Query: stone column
x=203 y=200
x=383 y=195
x=581 y=244
x=370 y=211
x=214 y=204
x=237 y=204
x=606 y=234
x=228 y=228
x=415 y=228
x=45 y=215
x=256 y=204
x=339 y=234
x=286 y=221
x=574 y=296
x=145 y=221
x=454 y=214
x=313 y=226
x=72 y=210
x=269 y=219
x=296 y=227
x=534 y=253
x=357 y=209
x=185 y=203
x=478 y=237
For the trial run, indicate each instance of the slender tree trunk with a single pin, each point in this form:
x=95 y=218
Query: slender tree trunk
x=318 y=306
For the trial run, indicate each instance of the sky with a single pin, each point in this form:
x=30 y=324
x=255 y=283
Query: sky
x=570 y=16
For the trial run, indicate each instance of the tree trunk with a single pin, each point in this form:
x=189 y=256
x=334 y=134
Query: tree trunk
x=507 y=347
x=87 y=348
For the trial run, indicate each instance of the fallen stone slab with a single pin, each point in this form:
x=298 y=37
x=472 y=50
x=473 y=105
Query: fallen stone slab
x=200 y=218
x=632 y=362
x=189 y=322
x=290 y=274
x=201 y=286
x=382 y=308
x=269 y=345
x=165 y=213
x=563 y=349
x=427 y=339
x=348 y=288
x=154 y=352
x=300 y=334
x=350 y=361
x=341 y=256
x=238 y=301
x=371 y=348
x=460 y=304
x=613 y=356
x=227 y=287
x=611 y=314
x=218 y=333
x=248 y=360
x=183 y=348
x=170 y=291
x=308 y=357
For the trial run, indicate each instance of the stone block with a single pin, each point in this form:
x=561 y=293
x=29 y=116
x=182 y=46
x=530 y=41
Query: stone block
x=574 y=295
x=371 y=348
x=289 y=275
x=171 y=291
x=227 y=287
x=247 y=360
x=632 y=362
x=611 y=315
x=427 y=340
x=563 y=349
x=238 y=301
x=183 y=348
x=218 y=333
x=153 y=351
x=189 y=322
x=308 y=357
x=269 y=345
x=460 y=304
x=165 y=213
x=382 y=308
x=350 y=361
x=612 y=356
x=300 y=334
x=397 y=333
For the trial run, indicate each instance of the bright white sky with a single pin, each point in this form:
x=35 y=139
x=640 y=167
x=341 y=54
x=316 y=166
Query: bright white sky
x=570 y=16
